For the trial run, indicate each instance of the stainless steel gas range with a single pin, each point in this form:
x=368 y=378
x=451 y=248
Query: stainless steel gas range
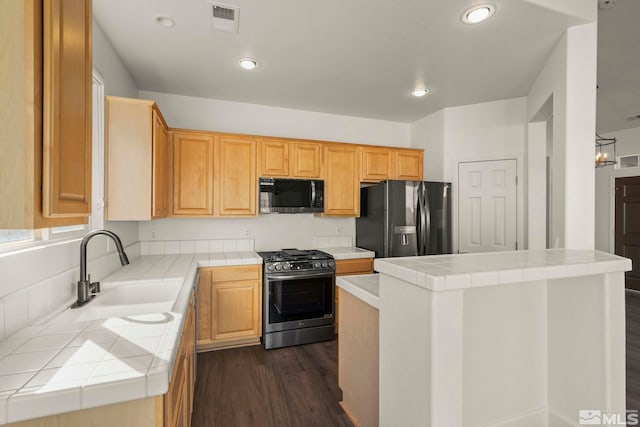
x=298 y=297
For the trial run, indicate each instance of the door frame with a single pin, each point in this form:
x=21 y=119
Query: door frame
x=519 y=158
x=618 y=173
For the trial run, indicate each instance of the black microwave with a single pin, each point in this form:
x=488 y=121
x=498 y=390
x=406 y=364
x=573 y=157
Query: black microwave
x=291 y=195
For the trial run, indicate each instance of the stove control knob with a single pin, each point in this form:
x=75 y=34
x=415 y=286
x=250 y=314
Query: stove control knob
x=331 y=264
x=316 y=264
x=286 y=266
x=270 y=267
x=278 y=267
x=324 y=264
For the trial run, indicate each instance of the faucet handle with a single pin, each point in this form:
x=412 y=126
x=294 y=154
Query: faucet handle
x=96 y=287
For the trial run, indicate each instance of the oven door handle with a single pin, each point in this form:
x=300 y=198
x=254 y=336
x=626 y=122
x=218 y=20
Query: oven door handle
x=299 y=276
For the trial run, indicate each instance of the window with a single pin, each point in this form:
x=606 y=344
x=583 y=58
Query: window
x=13 y=236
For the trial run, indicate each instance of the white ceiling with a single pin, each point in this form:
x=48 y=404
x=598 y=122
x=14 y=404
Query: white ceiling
x=618 y=66
x=355 y=57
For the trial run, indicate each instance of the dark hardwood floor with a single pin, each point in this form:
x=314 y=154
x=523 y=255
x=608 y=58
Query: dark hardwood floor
x=248 y=386
x=633 y=349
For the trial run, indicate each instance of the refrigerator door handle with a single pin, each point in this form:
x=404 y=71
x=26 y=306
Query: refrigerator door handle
x=426 y=231
x=419 y=224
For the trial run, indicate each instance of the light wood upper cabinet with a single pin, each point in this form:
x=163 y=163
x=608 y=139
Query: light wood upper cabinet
x=193 y=173
x=408 y=164
x=273 y=158
x=377 y=164
x=283 y=158
x=137 y=160
x=341 y=180
x=235 y=175
x=161 y=168
x=45 y=91
x=229 y=306
x=67 y=117
x=306 y=159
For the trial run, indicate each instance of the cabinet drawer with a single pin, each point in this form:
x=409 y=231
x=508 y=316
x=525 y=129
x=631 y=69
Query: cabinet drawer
x=233 y=274
x=354 y=266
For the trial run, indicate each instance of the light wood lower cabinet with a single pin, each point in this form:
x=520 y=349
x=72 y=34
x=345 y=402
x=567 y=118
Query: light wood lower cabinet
x=177 y=404
x=350 y=267
x=229 y=307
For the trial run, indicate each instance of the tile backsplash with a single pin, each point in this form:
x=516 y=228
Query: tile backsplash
x=162 y=247
x=336 y=241
x=41 y=299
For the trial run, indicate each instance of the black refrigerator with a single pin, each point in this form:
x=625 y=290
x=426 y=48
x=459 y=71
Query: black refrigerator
x=405 y=218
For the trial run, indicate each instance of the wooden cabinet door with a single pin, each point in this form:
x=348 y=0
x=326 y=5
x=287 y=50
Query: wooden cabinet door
x=408 y=164
x=203 y=325
x=341 y=180
x=179 y=397
x=67 y=63
x=273 y=157
x=377 y=164
x=236 y=310
x=235 y=176
x=306 y=161
x=160 y=173
x=193 y=173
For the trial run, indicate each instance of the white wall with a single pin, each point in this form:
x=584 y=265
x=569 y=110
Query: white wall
x=487 y=131
x=569 y=77
x=428 y=133
x=39 y=280
x=272 y=231
x=235 y=117
x=628 y=143
x=118 y=80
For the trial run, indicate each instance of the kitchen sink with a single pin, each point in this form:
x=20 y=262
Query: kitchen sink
x=124 y=301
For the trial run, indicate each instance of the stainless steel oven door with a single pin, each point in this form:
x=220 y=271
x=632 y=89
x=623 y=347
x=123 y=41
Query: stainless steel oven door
x=294 y=301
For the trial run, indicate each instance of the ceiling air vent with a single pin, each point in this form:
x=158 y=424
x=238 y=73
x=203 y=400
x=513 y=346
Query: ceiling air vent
x=633 y=118
x=631 y=161
x=224 y=17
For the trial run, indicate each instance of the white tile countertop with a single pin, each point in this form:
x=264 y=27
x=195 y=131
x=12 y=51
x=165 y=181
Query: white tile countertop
x=58 y=367
x=348 y=252
x=365 y=287
x=445 y=272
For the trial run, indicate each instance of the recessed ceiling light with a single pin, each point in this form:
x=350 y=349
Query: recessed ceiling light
x=165 y=21
x=420 y=92
x=477 y=14
x=248 y=63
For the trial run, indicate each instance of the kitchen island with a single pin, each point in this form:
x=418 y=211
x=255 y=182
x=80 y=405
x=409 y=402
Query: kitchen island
x=358 y=348
x=524 y=338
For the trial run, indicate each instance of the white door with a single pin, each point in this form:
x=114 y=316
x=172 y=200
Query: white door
x=487 y=206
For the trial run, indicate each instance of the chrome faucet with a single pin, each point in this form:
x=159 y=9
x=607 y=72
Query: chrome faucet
x=86 y=289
